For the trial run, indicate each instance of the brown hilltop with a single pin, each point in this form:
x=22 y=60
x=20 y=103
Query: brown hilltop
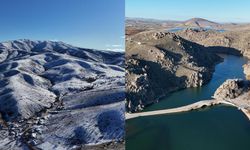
x=201 y=23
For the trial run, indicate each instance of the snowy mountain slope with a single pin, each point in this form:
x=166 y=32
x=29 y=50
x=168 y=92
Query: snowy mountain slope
x=45 y=79
x=93 y=125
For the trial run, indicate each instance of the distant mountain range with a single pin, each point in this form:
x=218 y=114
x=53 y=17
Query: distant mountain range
x=193 y=20
x=135 y=25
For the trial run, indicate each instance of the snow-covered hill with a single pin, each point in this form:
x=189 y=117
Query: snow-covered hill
x=46 y=79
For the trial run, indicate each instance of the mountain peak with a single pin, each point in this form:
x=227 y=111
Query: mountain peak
x=197 y=19
x=200 y=22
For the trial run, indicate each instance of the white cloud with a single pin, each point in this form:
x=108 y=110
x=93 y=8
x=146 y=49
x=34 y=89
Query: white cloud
x=116 y=45
x=113 y=45
x=115 y=49
x=55 y=40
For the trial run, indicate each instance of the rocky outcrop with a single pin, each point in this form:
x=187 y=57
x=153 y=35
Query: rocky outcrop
x=137 y=85
x=161 y=62
x=230 y=89
x=246 y=68
x=235 y=92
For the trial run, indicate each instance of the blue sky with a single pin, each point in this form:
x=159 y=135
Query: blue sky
x=97 y=24
x=215 y=10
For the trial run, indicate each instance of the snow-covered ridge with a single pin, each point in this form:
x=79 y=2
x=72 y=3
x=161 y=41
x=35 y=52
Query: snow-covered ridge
x=17 y=48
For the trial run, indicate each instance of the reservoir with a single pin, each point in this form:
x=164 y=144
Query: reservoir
x=217 y=128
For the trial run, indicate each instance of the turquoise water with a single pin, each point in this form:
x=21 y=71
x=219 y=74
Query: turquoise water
x=216 y=128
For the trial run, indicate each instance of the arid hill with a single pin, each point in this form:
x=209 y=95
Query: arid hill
x=236 y=41
x=200 y=23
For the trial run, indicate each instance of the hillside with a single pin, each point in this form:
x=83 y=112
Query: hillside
x=233 y=41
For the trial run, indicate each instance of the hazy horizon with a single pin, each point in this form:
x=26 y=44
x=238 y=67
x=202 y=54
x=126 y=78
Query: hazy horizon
x=180 y=20
x=223 y=11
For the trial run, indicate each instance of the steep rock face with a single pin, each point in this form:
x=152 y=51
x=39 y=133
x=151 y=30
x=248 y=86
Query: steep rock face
x=246 y=68
x=160 y=62
x=137 y=85
x=230 y=89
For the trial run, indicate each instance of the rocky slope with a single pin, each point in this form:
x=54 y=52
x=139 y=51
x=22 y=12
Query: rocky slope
x=57 y=96
x=160 y=62
x=246 y=68
x=232 y=42
x=235 y=92
x=231 y=89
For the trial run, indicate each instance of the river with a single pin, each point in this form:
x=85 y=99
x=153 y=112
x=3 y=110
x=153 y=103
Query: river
x=216 y=128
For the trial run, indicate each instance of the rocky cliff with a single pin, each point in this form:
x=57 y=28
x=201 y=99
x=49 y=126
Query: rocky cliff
x=235 y=92
x=230 y=89
x=246 y=68
x=160 y=62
